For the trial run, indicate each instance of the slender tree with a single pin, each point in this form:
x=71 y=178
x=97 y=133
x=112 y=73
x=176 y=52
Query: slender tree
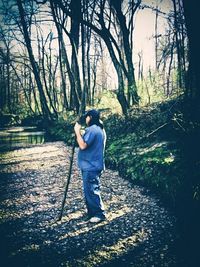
x=125 y=32
x=45 y=109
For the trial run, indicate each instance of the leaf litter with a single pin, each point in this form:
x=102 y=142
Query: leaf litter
x=138 y=231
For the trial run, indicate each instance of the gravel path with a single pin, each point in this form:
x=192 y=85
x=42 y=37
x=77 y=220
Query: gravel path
x=138 y=231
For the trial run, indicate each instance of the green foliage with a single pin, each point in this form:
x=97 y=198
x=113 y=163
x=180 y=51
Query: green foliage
x=22 y=110
x=33 y=119
x=154 y=166
x=62 y=130
x=143 y=148
x=108 y=99
x=7 y=119
x=153 y=88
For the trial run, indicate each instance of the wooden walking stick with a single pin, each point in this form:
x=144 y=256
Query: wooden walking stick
x=68 y=180
x=81 y=121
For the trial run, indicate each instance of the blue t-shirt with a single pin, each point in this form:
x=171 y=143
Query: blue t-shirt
x=92 y=158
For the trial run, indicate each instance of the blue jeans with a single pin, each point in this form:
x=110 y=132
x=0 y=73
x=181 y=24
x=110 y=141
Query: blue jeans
x=91 y=186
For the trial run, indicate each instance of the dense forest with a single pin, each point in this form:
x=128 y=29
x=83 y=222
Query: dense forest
x=59 y=58
x=55 y=55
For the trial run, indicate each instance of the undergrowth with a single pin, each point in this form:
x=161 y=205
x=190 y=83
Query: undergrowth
x=142 y=147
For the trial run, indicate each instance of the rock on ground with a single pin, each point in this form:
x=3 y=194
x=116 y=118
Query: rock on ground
x=138 y=230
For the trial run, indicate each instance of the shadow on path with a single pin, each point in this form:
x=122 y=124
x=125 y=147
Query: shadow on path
x=138 y=230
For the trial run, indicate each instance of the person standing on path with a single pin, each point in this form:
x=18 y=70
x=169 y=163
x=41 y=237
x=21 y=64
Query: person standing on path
x=91 y=163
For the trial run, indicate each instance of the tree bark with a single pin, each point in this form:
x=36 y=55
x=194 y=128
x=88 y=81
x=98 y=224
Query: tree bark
x=48 y=92
x=193 y=77
x=190 y=220
x=178 y=49
x=132 y=88
x=45 y=109
x=75 y=6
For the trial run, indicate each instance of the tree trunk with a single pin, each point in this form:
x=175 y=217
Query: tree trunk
x=63 y=59
x=48 y=93
x=85 y=90
x=88 y=36
x=132 y=88
x=75 y=6
x=170 y=68
x=8 y=82
x=193 y=78
x=178 y=50
x=156 y=39
x=190 y=220
x=120 y=94
x=45 y=110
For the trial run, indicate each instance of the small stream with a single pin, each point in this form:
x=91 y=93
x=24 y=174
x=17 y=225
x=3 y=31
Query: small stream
x=15 y=137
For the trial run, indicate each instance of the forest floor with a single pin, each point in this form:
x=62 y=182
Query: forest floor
x=138 y=231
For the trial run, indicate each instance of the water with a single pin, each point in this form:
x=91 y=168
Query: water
x=14 y=137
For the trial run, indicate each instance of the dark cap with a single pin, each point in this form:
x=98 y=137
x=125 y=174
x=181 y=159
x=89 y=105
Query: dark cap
x=93 y=113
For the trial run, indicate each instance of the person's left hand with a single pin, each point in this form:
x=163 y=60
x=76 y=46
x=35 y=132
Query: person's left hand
x=77 y=127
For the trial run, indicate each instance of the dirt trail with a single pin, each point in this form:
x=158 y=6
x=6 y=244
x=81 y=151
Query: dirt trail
x=138 y=230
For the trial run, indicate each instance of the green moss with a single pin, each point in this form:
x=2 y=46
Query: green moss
x=155 y=166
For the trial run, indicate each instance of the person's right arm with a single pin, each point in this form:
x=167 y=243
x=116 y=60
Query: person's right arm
x=79 y=138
